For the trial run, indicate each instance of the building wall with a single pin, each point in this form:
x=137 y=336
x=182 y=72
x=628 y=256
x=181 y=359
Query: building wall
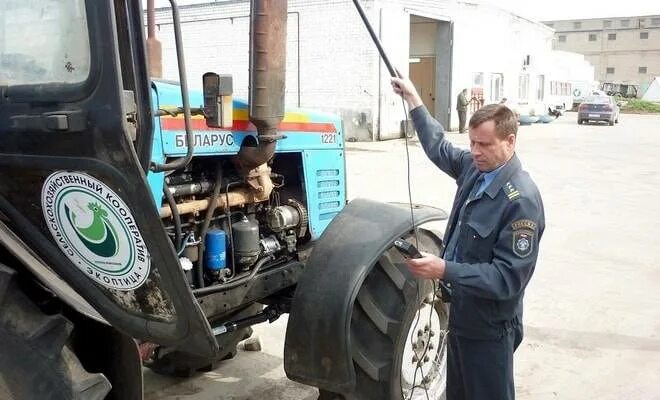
x=493 y=44
x=614 y=46
x=331 y=61
x=486 y=40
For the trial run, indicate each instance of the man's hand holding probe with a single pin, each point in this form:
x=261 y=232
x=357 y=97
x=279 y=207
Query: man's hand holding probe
x=406 y=89
x=429 y=266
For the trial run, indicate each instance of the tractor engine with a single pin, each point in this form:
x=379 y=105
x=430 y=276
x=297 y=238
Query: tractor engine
x=222 y=222
x=234 y=208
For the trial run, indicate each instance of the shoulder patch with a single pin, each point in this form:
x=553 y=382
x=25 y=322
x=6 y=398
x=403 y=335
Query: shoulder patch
x=523 y=223
x=523 y=242
x=511 y=192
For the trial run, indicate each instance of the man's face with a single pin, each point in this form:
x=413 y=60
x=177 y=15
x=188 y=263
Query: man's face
x=489 y=151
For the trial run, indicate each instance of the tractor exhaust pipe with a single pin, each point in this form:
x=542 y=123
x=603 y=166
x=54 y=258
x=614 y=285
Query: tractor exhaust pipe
x=268 y=25
x=154 y=47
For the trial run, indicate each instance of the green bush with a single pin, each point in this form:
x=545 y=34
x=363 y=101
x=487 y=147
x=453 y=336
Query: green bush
x=641 y=107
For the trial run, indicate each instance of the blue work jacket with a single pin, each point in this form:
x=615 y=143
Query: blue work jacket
x=499 y=232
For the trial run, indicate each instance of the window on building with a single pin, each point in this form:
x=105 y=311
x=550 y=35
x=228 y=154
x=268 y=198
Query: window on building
x=593 y=37
x=577 y=25
x=607 y=24
x=655 y=21
x=496 y=87
x=610 y=70
x=643 y=35
x=478 y=79
x=641 y=70
x=625 y=23
x=611 y=36
x=562 y=38
x=523 y=88
x=540 y=87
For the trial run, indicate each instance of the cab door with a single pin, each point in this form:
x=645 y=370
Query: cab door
x=74 y=107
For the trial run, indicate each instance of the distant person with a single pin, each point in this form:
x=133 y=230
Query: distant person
x=461 y=107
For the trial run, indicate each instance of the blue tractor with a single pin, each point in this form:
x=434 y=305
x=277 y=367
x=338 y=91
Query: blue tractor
x=143 y=223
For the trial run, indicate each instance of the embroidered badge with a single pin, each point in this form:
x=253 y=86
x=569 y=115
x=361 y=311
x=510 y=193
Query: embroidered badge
x=511 y=192
x=524 y=223
x=523 y=243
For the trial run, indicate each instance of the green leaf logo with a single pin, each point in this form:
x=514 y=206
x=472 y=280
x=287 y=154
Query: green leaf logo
x=95 y=230
x=100 y=236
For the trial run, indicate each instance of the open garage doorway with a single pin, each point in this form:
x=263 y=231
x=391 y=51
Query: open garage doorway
x=430 y=64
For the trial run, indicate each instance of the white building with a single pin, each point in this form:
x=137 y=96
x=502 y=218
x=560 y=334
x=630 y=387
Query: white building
x=443 y=45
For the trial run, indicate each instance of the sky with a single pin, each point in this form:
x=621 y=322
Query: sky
x=578 y=9
x=543 y=10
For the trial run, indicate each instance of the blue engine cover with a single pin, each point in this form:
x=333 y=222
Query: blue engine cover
x=318 y=137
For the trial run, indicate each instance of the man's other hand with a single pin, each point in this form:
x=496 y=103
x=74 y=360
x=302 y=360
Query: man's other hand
x=429 y=266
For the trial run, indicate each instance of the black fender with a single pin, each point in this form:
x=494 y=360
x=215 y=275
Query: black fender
x=317 y=348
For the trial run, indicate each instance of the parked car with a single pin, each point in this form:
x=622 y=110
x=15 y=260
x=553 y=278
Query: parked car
x=599 y=108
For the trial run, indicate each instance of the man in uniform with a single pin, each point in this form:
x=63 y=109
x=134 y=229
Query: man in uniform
x=492 y=243
x=461 y=107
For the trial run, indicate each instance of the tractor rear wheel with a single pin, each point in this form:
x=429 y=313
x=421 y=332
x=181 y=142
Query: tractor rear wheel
x=36 y=361
x=398 y=332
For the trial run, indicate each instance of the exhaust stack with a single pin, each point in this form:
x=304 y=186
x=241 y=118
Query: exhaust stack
x=154 y=47
x=268 y=25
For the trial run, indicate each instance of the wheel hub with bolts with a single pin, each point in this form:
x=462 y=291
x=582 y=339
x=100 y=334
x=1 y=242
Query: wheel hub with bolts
x=424 y=366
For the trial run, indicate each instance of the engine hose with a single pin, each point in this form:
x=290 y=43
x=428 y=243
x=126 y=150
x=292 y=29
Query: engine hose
x=178 y=233
x=234 y=284
x=205 y=227
x=181 y=249
x=231 y=233
x=183 y=82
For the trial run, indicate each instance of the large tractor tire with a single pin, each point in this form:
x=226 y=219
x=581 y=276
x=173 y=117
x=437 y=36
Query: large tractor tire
x=184 y=365
x=398 y=333
x=36 y=361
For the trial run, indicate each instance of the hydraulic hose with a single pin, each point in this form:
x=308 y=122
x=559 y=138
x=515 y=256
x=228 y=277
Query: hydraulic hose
x=178 y=233
x=205 y=227
x=234 y=284
x=183 y=82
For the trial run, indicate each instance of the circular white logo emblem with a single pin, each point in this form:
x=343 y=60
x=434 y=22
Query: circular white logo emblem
x=523 y=244
x=95 y=229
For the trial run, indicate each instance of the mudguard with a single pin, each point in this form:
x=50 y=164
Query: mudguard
x=317 y=351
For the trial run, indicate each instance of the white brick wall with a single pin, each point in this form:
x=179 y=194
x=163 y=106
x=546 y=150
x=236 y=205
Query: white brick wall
x=337 y=59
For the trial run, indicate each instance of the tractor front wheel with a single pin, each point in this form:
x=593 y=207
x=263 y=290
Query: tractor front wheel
x=398 y=332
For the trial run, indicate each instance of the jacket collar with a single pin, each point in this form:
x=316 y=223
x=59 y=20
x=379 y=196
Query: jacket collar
x=510 y=168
